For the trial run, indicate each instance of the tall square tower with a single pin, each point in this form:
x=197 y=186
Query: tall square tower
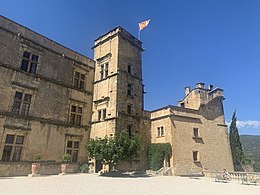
x=118 y=87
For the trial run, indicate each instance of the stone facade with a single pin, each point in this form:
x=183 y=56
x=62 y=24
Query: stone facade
x=54 y=99
x=39 y=92
x=196 y=130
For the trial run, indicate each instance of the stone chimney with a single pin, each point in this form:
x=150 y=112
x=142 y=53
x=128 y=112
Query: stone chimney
x=187 y=90
x=200 y=85
x=210 y=87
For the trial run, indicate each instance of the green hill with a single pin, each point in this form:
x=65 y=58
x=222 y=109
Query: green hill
x=251 y=147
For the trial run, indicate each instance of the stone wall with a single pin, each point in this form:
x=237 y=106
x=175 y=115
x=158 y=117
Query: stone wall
x=47 y=126
x=212 y=143
x=9 y=169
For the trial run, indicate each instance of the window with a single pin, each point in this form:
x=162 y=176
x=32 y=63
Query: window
x=160 y=131
x=21 y=103
x=102 y=114
x=106 y=70
x=195 y=132
x=129 y=89
x=129 y=109
x=29 y=62
x=13 y=147
x=183 y=105
x=103 y=71
x=75 y=115
x=130 y=130
x=129 y=69
x=79 y=80
x=99 y=115
x=195 y=156
x=73 y=149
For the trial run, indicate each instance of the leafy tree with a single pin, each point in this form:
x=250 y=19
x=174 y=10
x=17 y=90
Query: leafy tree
x=235 y=144
x=114 y=149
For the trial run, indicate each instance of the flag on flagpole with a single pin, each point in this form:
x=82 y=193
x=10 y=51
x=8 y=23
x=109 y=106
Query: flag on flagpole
x=143 y=24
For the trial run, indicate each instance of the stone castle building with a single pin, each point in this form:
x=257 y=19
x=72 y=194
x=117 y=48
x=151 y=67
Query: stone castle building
x=53 y=100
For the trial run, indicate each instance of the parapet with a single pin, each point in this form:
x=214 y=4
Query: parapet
x=118 y=31
x=200 y=95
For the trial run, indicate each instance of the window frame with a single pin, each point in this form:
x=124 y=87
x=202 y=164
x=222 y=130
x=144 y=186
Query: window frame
x=24 y=105
x=30 y=62
x=101 y=114
x=195 y=156
x=129 y=109
x=130 y=89
x=196 y=134
x=129 y=69
x=160 y=131
x=104 y=70
x=78 y=81
x=13 y=156
x=73 y=150
x=75 y=117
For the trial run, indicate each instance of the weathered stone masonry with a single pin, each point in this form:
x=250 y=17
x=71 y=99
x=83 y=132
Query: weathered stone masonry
x=54 y=99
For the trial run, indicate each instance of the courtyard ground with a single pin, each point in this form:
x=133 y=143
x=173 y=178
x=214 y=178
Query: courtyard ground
x=94 y=184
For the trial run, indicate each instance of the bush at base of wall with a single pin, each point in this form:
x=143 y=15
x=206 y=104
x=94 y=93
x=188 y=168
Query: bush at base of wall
x=156 y=154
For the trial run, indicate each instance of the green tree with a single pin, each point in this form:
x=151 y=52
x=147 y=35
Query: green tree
x=235 y=144
x=114 y=149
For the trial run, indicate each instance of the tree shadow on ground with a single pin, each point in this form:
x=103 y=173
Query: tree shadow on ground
x=120 y=174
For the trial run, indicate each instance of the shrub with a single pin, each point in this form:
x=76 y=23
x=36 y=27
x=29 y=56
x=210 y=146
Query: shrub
x=156 y=154
x=67 y=157
x=84 y=168
x=37 y=157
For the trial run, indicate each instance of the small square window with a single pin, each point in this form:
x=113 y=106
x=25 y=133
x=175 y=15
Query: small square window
x=19 y=139
x=18 y=95
x=29 y=62
x=129 y=69
x=99 y=115
x=195 y=156
x=129 y=109
x=69 y=144
x=196 y=132
x=76 y=144
x=104 y=113
x=130 y=130
x=9 y=139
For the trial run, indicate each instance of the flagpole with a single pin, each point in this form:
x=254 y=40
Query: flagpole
x=139 y=34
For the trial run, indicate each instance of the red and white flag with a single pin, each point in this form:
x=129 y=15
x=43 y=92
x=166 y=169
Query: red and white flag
x=143 y=24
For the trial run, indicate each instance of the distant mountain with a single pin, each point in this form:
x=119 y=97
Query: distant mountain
x=251 y=147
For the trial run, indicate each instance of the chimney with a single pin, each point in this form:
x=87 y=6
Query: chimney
x=200 y=85
x=210 y=87
x=187 y=90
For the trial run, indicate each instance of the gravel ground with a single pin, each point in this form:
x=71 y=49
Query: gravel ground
x=94 y=184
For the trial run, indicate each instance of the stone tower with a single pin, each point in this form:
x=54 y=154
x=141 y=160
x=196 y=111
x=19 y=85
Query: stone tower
x=118 y=88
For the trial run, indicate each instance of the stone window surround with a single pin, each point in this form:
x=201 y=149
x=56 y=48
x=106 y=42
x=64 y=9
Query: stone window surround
x=77 y=105
x=15 y=133
x=24 y=91
x=160 y=131
x=129 y=109
x=101 y=114
x=32 y=51
x=78 y=85
x=130 y=69
x=196 y=156
x=130 y=89
x=103 y=70
x=74 y=149
x=196 y=132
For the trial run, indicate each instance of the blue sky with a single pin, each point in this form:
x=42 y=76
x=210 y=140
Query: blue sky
x=187 y=41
